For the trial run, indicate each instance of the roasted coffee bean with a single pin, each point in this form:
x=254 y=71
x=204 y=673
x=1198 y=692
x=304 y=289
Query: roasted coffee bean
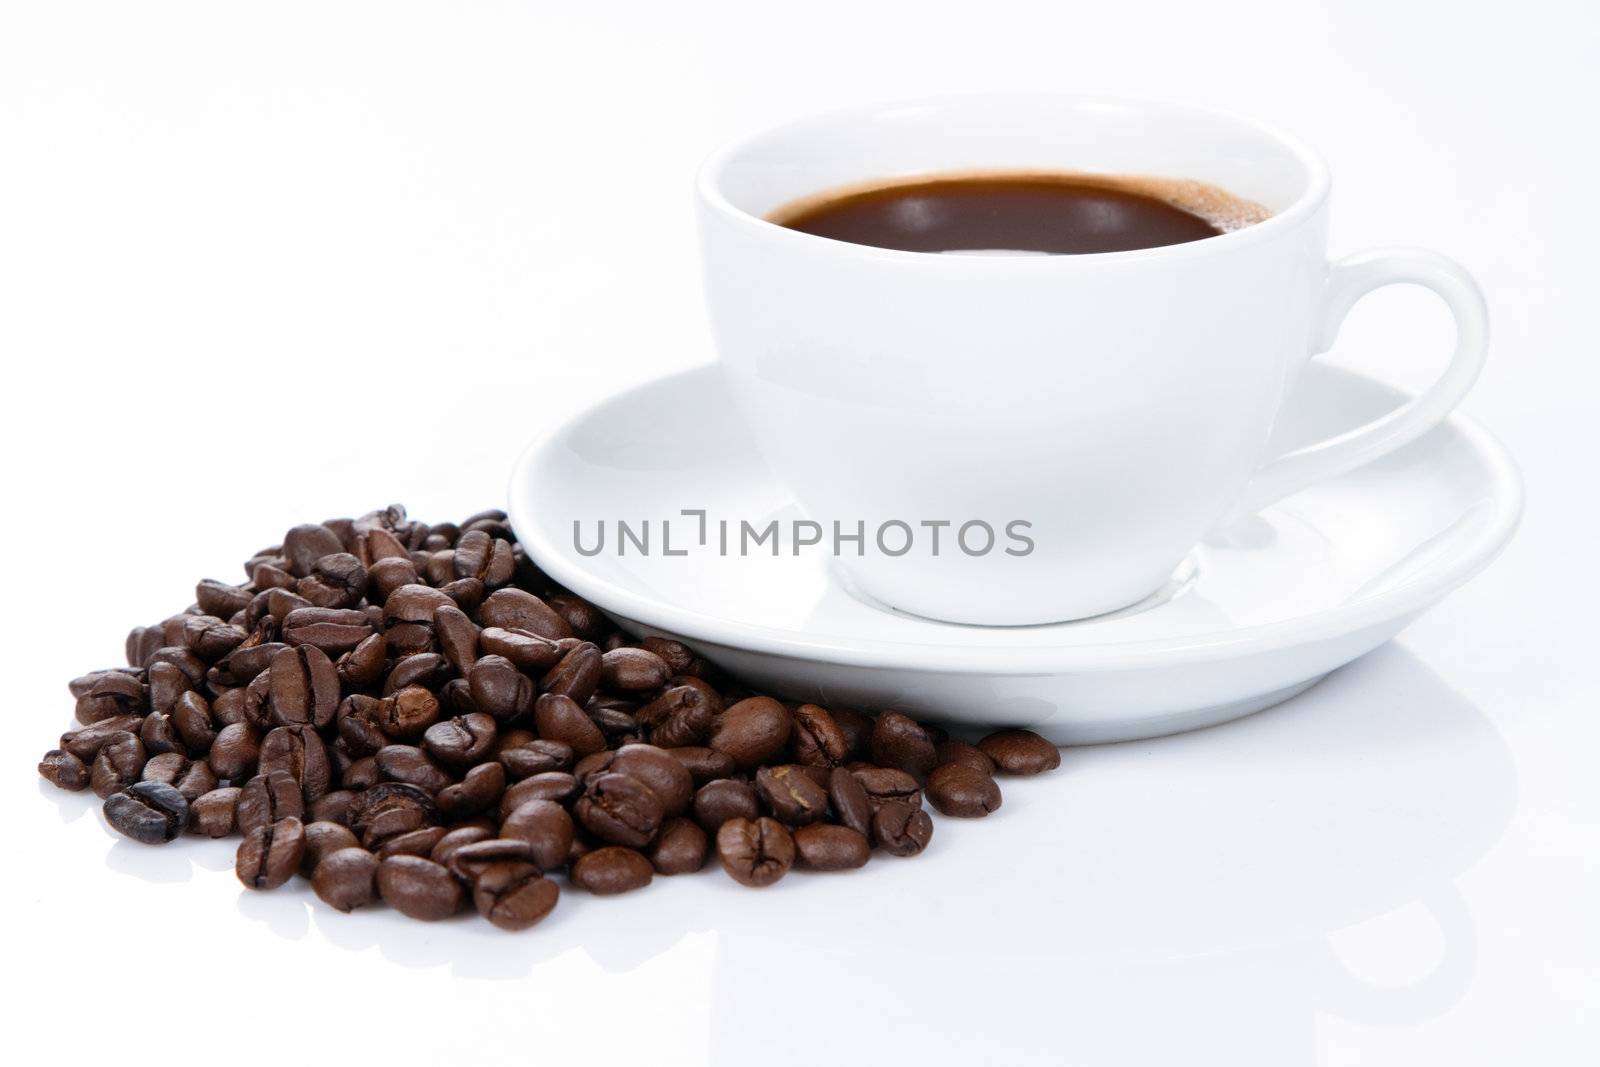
x=516 y=609
x=213 y=814
x=478 y=791
x=406 y=714
x=322 y=840
x=113 y=694
x=756 y=852
x=752 y=731
x=447 y=845
x=416 y=843
x=884 y=785
x=334 y=807
x=118 y=765
x=703 y=764
x=536 y=757
x=189 y=778
x=63 y=770
x=857 y=731
x=304 y=545
x=211 y=638
x=513 y=896
x=462 y=741
x=234 y=753
x=346 y=879
x=337 y=580
x=900 y=742
x=266 y=798
x=149 y=812
x=165 y=684
x=680 y=848
x=388 y=809
x=560 y=718
x=591 y=765
x=577 y=676
x=303 y=687
x=674 y=654
x=620 y=810
x=270 y=855
x=817 y=739
x=612 y=870
x=546 y=828
x=586 y=620
x=791 y=795
x=299 y=752
x=527 y=650
x=633 y=670
x=825 y=847
x=666 y=777
x=220 y=599
x=499 y=689
x=82 y=684
x=726 y=798
x=469 y=861
x=550 y=785
x=413 y=766
x=683 y=715
x=87 y=742
x=418 y=888
x=333 y=630
x=900 y=829
x=963 y=753
x=362 y=665
x=957 y=789
x=192 y=721
x=616 y=723
x=458 y=637
x=424 y=670
x=1020 y=752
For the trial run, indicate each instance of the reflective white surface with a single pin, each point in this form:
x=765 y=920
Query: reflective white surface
x=1265 y=607
x=221 y=222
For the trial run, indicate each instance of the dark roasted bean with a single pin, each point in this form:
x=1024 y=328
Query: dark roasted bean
x=791 y=795
x=680 y=848
x=526 y=649
x=961 y=752
x=322 y=840
x=266 y=798
x=703 y=764
x=419 y=888
x=469 y=861
x=516 y=609
x=478 y=791
x=577 y=675
x=513 y=896
x=462 y=741
x=536 y=757
x=901 y=743
x=726 y=798
x=546 y=828
x=752 y=731
x=270 y=855
x=560 y=718
x=620 y=809
x=825 y=847
x=551 y=785
x=149 y=812
x=346 y=878
x=666 y=777
x=756 y=852
x=884 y=785
x=900 y=829
x=1020 y=752
x=499 y=689
x=63 y=770
x=633 y=670
x=957 y=789
x=118 y=765
x=213 y=814
x=611 y=870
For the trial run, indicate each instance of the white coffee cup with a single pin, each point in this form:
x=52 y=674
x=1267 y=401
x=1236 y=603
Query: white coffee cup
x=1117 y=404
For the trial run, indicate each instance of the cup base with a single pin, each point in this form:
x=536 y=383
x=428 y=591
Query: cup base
x=1179 y=582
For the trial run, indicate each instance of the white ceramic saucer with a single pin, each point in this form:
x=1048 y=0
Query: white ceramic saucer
x=1252 y=617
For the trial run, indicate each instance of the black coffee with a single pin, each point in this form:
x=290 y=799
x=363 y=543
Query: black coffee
x=1050 y=213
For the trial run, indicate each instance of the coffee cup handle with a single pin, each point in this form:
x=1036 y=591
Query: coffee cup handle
x=1348 y=281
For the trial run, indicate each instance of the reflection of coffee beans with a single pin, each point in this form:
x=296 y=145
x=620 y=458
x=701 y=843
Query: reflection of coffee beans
x=414 y=715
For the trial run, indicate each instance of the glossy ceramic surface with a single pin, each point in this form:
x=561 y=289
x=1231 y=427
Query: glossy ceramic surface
x=1258 y=612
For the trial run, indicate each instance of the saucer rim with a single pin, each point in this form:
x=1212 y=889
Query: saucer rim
x=1407 y=598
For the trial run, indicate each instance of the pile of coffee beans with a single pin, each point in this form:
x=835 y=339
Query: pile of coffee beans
x=415 y=714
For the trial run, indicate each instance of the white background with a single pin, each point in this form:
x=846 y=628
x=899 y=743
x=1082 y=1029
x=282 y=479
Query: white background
x=225 y=229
